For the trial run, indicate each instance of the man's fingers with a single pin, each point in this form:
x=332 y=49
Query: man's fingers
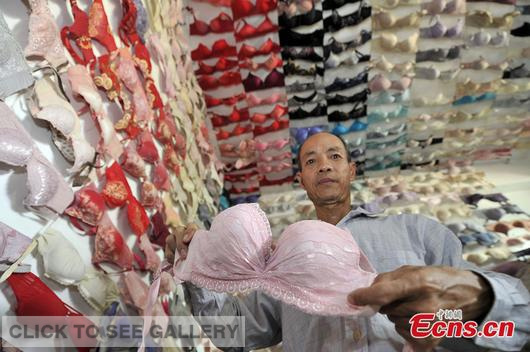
x=384 y=292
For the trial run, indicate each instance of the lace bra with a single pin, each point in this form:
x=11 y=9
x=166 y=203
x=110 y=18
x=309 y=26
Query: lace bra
x=291 y=7
x=299 y=114
x=345 y=83
x=292 y=69
x=355 y=113
x=342 y=99
x=271 y=63
x=307 y=54
x=47 y=187
x=311 y=98
x=306 y=19
x=220 y=48
x=439 y=30
x=292 y=38
x=338 y=47
x=274 y=79
x=335 y=22
x=220 y=24
x=438 y=55
x=243 y=232
x=517 y=72
x=15 y=73
x=248 y=51
x=386 y=20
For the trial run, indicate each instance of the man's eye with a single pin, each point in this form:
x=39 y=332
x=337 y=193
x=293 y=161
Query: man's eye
x=336 y=156
x=310 y=161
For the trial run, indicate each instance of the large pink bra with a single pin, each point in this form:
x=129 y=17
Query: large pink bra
x=314 y=266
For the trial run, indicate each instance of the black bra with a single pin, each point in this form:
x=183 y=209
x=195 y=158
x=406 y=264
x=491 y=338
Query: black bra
x=523 y=31
x=299 y=87
x=345 y=83
x=334 y=22
x=290 y=38
x=338 y=99
x=355 y=113
x=438 y=55
x=306 y=19
x=299 y=114
x=307 y=54
x=312 y=98
x=335 y=4
x=517 y=72
x=292 y=69
x=338 y=47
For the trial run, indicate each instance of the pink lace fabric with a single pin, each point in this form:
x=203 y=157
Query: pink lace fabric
x=314 y=266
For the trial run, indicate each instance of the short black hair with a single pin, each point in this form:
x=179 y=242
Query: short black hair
x=348 y=155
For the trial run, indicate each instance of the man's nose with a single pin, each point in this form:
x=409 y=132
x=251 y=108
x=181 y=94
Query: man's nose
x=325 y=166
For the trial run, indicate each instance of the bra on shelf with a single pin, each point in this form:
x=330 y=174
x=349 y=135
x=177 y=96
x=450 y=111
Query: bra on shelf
x=222 y=64
x=302 y=133
x=482 y=38
x=222 y=23
x=383 y=132
x=338 y=47
x=335 y=22
x=238 y=130
x=439 y=30
x=212 y=102
x=380 y=83
x=291 y=38
x=386 y=20
x=385 y=116
x=523 y=31
x=248 y=31
x=253 y=82
x=438 y=55
x=391 y=4
x=388 y=98
x=291 y=7
x=468 y=99
x=353 y=58
x=299 y=87
x=271 y=63
x=345 y=83
x=307 y=54
x=270 y=99
x=482 y=18
x=220 y=48
x=276 y=112
x=355 y=113
x=453 y=7
x=248 y=51
x=335 y=4
x=277 y=125
x=228 y=78
x=299 y=114
x=292 y=69
x=312 y=98
x=389 y=41
x=403 y=68
x=517 y=72
x=338 y=99
x=357 y=126
x=482 y=64
x=307 y=19
x=431 y=73
x=235 y=116
x=246 y=8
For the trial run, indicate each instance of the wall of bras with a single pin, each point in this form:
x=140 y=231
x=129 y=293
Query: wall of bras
x=409 y=84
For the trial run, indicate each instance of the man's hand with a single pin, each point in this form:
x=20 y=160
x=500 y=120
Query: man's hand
x=178 y=242
x=425 y=289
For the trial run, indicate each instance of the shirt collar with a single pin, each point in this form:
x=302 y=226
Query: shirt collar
x=371 y=210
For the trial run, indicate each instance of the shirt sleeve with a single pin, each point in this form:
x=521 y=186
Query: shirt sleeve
x=511 y=298
x=262 y=314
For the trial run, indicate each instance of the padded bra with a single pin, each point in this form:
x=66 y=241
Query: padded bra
x=226 y=79
x=299 y=114
x=342 y=99
x=220 y=24
x=306 y=19
x=338 y=47
x=248 y=51
x=485 y=19
x=357 y=126
x=517 y=72
x=435 y=7
x=274 y=79
x=386 y=20
x=335 y=22
x=380 y=83
x=355 y=113
x=307 y=54
x=438 y=55
x=235 y=116
x=352 y=58
x=222 y=64
x=270 y=99
x=15 y=73
x=482 y=38
x=292 y=69
x=313 y=97
x=211 y=101
x=246 y=8
x=271 y=63
x=220 y=48
x=389 y=41
x=47 y=187
x=345 y=83
x=291 y=38
x=439 y=30
x=248 y=31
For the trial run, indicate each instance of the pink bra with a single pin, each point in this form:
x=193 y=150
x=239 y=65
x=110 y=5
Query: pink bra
x=47 y=188
x=12 y=244
x=314 y=266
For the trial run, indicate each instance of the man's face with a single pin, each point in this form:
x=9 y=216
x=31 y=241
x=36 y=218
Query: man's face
x=326 y=174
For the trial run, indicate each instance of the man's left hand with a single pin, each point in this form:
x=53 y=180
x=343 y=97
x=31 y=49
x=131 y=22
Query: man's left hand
x=425 y=289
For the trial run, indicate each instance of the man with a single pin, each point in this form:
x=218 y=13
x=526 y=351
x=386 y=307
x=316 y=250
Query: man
x=422 y=271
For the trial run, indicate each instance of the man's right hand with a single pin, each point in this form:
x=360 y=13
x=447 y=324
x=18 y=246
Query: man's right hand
x=178 y=242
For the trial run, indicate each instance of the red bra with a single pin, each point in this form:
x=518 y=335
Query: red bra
x=271 y=63
x=253 y=82
x=222 y=64
x=237 y=131
x=99 y=28
x=211 y=101
x=266 y=182
x=248 y=51
x=245 y=8
x=220 y=24
x=220 y=48
x=273 y=127
x=272 y=99
x=241 y=178
x=248 y=31
x=235 y=116
x=277 y=112
x=226 y=79
x=78 y=32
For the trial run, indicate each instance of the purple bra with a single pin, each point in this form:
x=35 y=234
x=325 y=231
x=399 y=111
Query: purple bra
x=253 y=82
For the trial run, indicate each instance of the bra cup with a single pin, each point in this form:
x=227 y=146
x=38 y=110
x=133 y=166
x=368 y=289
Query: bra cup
x=60 y=117
x=456 y=29
x=438 y=29
x=12 y=243
x=97 y=289
x=480 y=38
x=388 y=41
x=14 y=148
x=43 y=183
x=501 y=39
x=384 y=64
x=62 y=262
x=384 y=20
x=379 y=83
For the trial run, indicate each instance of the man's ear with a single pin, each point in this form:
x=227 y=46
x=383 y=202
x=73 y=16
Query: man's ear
x=353 y=170
x=298 y=178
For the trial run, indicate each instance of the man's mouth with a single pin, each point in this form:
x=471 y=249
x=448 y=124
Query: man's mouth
x=326 y=180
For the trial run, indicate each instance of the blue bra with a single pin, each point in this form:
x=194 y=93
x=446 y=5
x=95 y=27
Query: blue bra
x=340 y=129
x=388 y=98
x=383 y=162
x=380 y=116
x=382 y=145
x=468 y=99
x=394 y=130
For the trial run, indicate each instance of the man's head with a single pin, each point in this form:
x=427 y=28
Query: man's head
x=325 y=169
